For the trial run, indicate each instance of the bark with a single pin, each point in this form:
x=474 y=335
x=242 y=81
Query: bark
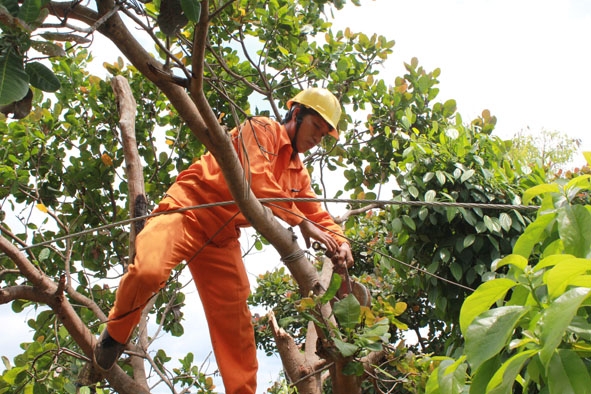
x=203 y=123
x=137 y=200
x=45 y=290
x=198 y=116
x=298 y=368
x=133 y=165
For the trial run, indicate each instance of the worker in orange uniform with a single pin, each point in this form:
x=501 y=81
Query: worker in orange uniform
x=207 y=239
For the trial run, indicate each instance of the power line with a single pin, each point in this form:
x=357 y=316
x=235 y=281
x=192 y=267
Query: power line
x=420 y=269
x=273 y=200
x=270 y=201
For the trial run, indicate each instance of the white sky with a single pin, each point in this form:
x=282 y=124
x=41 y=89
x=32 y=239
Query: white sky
x=527 y=61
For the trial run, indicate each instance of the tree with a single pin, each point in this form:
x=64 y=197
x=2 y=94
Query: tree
x=300 y=61
x=65 y=157
x=549 y=148
x=536 y=335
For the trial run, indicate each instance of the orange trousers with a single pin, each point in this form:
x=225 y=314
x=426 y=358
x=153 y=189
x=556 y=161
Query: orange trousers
x=221 y=280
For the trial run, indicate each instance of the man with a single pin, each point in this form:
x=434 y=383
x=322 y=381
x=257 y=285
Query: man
x=207 y=239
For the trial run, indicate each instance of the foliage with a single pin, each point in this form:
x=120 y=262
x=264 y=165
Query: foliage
x=64 y=160
x=40 y=368
x=549 y=148
x=536 y=338
x=17 y=72
x=432 y=157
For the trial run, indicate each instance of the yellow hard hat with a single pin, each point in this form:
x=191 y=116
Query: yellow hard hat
x=323 y=102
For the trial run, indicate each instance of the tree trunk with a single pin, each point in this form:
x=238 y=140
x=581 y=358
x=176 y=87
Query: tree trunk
x=199 y=117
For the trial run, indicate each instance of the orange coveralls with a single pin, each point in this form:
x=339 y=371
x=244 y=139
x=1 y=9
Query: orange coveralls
x=208 y=240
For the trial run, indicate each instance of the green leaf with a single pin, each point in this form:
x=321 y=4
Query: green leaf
x=503 y=380
x=14 y=81
x=467 y=175
x=345 y=348
x=574 y=227
x=347 y=311
x=42 y=77
x=469 y=240
x=581 y=281
x=482 y=376
x=563 y=273
x=44 y=254
x=567 y=374
x=582 y=181
x=409 y=222
x=6 y=362
x=532 y=235
x=453 y=378
x=505 y=221
x=11 y=375
x=456 y=271
x=440 y=177
x=430 y=195
x=333 y=288
x=30 y=10
x=433 y=384
x=482 y=298
x=492 y=224
x=84 y=390
x=556 y=318
x=539 y=189
x=512 y=259
x=192 y=9
x=449 y=107
x=450 y=213
x=490 y=332
x=378 y=330
x=552 y=260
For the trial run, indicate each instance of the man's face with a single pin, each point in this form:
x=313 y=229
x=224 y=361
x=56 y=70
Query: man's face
x=312 y=130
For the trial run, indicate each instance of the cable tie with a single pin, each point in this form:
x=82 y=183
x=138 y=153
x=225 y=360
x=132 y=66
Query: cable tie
x=295 y=256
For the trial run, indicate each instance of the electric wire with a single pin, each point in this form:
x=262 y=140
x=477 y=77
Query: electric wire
x=296 y=200
x=270 y=201
x=414 y=267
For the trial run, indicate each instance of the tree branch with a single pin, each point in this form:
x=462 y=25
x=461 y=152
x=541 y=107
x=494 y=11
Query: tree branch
x=12 y=293
x=133 y=165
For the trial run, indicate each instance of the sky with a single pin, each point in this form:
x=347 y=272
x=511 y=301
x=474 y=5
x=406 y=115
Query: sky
x=526 y=61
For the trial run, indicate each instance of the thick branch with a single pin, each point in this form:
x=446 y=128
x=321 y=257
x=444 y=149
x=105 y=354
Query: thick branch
x=25 y=267
x=137 y=198
x=133 y=165
x=12 y=293
x=294 y=362
x=204 y=125
x=46 y=291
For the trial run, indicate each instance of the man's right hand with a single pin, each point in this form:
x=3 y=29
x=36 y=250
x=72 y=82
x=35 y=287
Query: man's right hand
x=310 y=231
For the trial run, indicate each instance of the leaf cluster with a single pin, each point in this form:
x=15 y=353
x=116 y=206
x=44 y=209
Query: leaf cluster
x=17 y=71
x=536 y=336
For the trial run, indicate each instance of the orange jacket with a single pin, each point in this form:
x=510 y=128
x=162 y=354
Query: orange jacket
x=265 y=150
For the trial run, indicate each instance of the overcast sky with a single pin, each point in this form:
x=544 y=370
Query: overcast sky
x=528 y=62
